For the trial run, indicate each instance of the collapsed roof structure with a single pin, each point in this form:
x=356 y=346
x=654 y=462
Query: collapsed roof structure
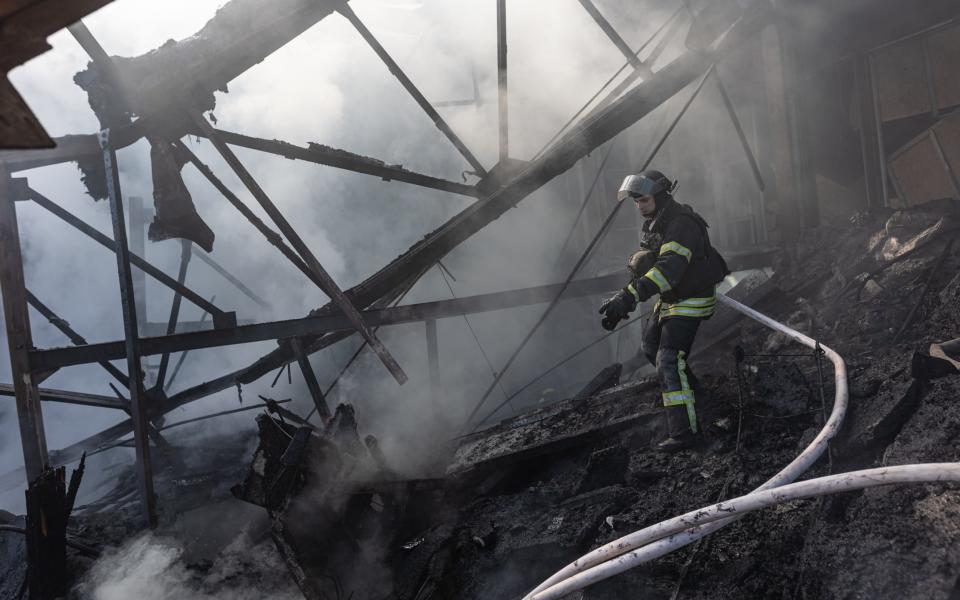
x=133 y=98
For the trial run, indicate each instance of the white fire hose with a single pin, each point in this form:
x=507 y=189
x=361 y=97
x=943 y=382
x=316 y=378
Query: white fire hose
x=657 y=540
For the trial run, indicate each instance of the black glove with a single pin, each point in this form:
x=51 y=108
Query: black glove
x=616 y=308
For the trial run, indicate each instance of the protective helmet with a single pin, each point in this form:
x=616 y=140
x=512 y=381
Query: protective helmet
x=647 y=183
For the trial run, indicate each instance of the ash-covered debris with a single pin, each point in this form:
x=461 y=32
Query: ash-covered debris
x=532 y=493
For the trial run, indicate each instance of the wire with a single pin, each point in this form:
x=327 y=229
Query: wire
x=443 y=273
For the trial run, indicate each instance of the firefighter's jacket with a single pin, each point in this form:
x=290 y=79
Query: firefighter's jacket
x=687 y=268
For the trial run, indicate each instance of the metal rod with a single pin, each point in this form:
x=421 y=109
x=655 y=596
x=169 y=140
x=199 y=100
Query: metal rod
x=341 y=159
x=601 y=234
x=138 y=409
x=397 y=72
x=319 y=402
x=618 y=41
x=502 y=96
x=18 y=333
x=183 y=355
x=185 y=252
x=220 y=317
x=327 y=284
x=206 y=258
x=754 y=167
x=75 y=338
x=193 y=420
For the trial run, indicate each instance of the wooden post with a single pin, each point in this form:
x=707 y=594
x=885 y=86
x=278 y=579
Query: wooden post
x=433 y=359
x=138 y=246
x=19 y=336
x=138 y=408
x=502 y=78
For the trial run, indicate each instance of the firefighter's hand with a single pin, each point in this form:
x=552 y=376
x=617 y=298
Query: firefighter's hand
x=616 y=308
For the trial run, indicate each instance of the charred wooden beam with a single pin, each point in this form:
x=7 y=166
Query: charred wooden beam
x=138 y=408
x=19 y=336
x=240 y=35
x=66 y=397
x=43 y=360
x=341 y=159
x=220 y=318
x=408 y=85
x=325 y=282
x=76 y=338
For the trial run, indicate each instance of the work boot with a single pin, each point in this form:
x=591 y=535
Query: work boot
x=678 y=427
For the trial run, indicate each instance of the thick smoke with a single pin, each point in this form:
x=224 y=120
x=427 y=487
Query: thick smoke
x=152 y=568
x=327 y=86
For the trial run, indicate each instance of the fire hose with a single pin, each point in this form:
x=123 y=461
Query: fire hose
x=662 y=538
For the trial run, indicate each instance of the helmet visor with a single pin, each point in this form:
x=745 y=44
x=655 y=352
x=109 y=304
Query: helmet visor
x=634 y=186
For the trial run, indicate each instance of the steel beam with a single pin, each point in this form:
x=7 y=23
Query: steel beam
x=502 y=97
x=319 y=402
x=326 y=283
x=185 y=253
x=19 y=336
x=397 y=72
x=341 y=159
x=639 y=66
x=66 y=397
x=138 y=408
x=220 y=318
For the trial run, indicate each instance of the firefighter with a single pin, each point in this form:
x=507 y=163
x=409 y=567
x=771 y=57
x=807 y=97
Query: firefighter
x=678 y=263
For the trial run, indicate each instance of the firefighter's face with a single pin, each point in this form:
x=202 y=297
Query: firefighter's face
x=647 y=205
